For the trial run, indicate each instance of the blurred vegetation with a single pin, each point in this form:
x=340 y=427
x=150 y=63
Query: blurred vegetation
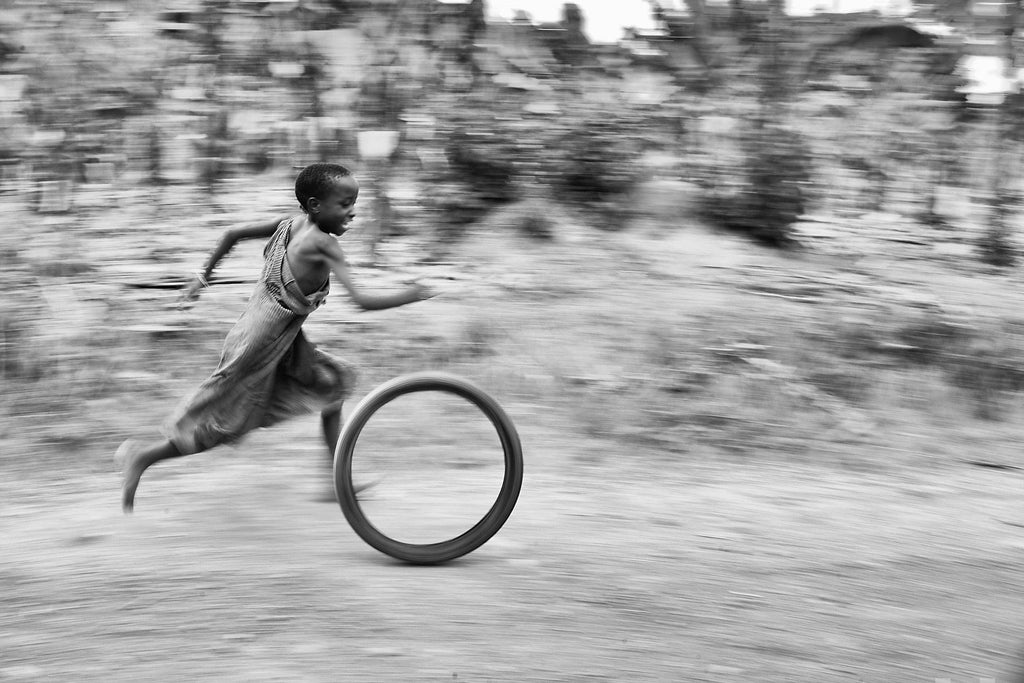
x=215 y=93
x=138 y=120
x=767 y=201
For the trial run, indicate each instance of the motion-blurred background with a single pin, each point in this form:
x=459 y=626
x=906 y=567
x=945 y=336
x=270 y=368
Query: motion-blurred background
x=745 y=274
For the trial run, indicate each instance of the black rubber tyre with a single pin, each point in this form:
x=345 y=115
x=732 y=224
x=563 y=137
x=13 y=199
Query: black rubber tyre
x=492 y=521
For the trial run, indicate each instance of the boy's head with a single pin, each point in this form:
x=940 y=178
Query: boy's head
x=318 y=180
x=327 y=193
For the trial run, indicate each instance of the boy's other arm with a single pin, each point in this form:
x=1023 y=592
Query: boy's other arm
x=330 y=252
x=228 y=240
x=263 y=229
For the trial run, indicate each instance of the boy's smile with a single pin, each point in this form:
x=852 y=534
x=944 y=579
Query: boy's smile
x=334 y=212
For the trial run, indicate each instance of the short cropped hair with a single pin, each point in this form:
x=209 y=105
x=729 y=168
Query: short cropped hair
x=315 y=181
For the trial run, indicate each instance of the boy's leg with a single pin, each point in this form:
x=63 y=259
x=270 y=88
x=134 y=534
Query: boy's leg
x=138 y=461
x=330 y=420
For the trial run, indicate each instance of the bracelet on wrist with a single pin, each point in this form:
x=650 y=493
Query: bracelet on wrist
x=202 y=279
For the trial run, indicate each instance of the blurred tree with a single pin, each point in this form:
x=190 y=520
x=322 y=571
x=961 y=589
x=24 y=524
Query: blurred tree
x=83 y=85
x=566 y=39
x=9 y=49
x=476 y=24
x=769 y=196
x=1003 y=197
x=740 y=20
x=694 y=28
x=998 y=21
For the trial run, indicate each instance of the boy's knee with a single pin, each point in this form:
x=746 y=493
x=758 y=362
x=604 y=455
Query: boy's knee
x=331 y=412
x=336 y=381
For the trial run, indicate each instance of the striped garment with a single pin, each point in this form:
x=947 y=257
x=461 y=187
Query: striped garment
x=268 y=370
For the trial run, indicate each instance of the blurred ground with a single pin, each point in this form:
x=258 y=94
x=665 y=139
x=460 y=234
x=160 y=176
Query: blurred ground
x=883 y=546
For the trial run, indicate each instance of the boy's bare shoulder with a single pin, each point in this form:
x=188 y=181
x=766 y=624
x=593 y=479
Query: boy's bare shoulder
x=310 y=241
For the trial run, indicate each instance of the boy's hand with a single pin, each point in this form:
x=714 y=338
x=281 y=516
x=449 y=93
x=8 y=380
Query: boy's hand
x=192 y=289
x=422 y=292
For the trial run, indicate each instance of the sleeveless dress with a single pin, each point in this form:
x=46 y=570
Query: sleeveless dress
x=268 y=370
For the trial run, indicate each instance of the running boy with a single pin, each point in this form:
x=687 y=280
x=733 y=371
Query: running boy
x=268 y=370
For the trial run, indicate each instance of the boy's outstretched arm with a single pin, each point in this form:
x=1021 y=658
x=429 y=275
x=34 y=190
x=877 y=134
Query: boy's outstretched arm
x=331 y=253
x=228 y=240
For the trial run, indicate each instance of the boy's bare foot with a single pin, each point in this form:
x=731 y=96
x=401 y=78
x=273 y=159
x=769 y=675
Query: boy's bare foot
x=328 y=496
x=131 y=473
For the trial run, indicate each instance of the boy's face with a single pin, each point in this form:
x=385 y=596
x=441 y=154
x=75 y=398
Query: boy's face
x=333 y=212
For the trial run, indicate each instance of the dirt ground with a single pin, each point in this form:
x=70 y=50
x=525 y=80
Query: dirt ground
x=621 y=562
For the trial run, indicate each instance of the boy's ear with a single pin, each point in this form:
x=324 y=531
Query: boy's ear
x=313 y=205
